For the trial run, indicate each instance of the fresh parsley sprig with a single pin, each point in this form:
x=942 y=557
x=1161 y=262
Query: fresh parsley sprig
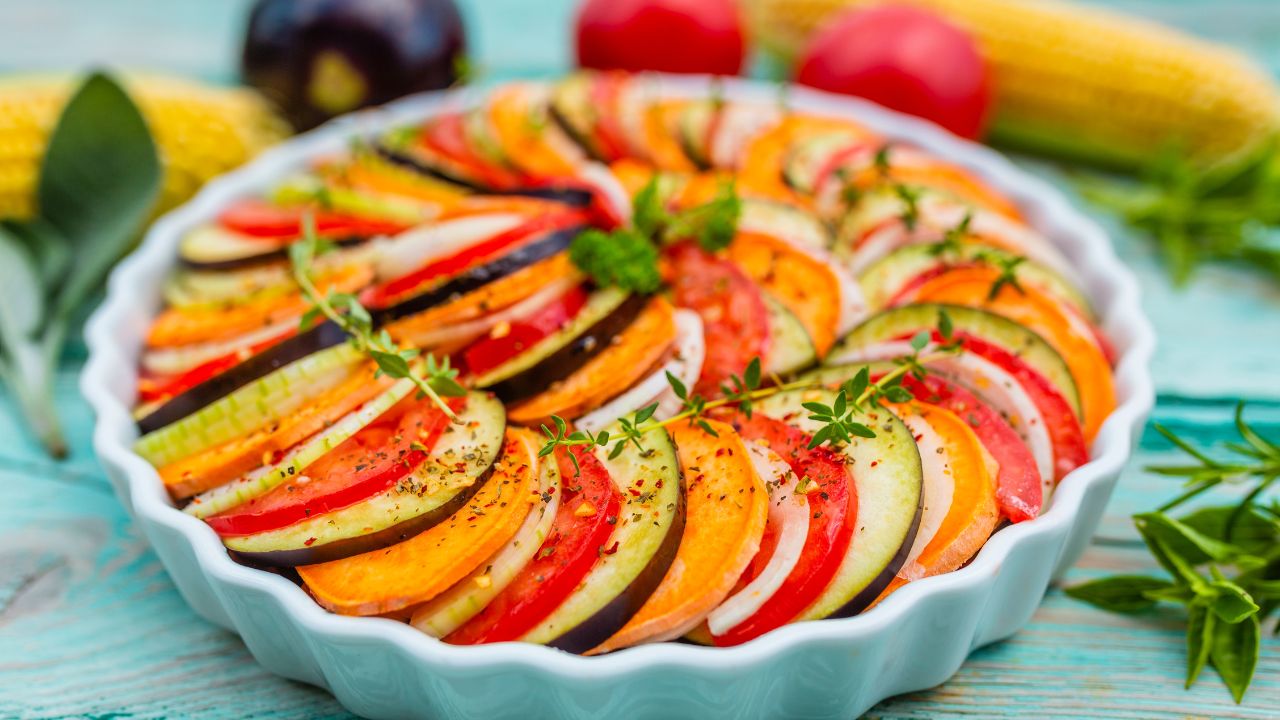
x=1222 y=562
x=838 y=422
x=628 y=256
x=434 y=378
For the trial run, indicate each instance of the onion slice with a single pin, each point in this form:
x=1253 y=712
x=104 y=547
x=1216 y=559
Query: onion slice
x=685 y=364
x=789 y=517
x=178 y=360
x=421 y=245
x=992 y=385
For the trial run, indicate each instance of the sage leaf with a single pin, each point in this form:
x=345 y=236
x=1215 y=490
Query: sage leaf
x=21 y=292
x=98 y=183
x=1234 y=654
x=1200 y=627
x=1120 y=593
x=47 y=248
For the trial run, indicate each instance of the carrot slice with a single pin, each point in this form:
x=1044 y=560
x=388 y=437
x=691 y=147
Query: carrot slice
x=519 y=128
x=727 y=506
x=632 y=174
x=973 y=513
x=632 y=354
x=226 y=462
x=495 y=296
x=183 y=326
x=806 y=286
x=1067 y=332
x=427 y=564
x=486 y=204
x=761 y=173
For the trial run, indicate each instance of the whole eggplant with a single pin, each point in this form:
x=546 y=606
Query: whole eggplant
x=320 y=58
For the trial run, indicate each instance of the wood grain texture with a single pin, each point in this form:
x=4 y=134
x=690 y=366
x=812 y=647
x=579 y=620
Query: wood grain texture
x=91 y=627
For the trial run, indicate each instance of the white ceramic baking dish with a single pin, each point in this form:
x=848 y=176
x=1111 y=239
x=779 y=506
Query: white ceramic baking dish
x=831 y=668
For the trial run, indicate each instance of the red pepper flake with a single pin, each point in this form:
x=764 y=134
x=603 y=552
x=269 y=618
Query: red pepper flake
x=309 y=542
x=611 y=549
x=875 y=463
x=634 y=492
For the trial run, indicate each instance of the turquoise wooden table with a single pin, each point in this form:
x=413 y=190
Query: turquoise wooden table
x=91 y=626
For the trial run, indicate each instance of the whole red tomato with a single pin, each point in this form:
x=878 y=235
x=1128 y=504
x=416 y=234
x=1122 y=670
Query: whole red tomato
x=904 y=58
x=678 y=36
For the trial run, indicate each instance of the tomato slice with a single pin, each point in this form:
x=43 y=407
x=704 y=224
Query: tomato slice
x=586 y=518
x=1065 y=431
x=833 y=503
x=734 y=317
x=152 y=388
x=446 y=135
x=388 y=293
x=374 y=459
x=608 y=134
x=491 y=351
x=1018 y=490
x=257 y=218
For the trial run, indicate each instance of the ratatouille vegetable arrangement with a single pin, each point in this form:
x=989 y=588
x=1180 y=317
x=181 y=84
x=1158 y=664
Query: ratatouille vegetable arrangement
x=590 y=366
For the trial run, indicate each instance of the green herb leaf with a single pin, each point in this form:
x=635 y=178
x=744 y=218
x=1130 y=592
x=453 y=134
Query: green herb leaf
x=98 y=183
x=1119 y=593
x=1231 y=603
x=1234 y=653
x=1201 y=625
x=624 y=258
x=1185 y=541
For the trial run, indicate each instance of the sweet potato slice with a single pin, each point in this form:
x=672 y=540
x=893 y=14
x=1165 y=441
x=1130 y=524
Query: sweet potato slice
x=726 y=506
x=761 y=174
x=519 y=128
x=973 y=513
x=495 y=296
x=805 y=285
x=1067 y=332
x=416 y=570
x=660 y=136
x=226 y=462
x=183 y=326
x=633 y=353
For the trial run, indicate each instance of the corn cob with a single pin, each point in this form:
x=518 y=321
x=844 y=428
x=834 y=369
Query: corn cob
x=201 y=132
x=1086 y=83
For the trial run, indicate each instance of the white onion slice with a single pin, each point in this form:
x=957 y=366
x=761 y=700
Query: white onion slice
x=456 y=335
x=738 y=125
x=418 y=246
x=992 y=385
x=469 y=596
x=939 y=489
x=177 y=360
x=685 y=364
x=789 y=513
x=609 y=192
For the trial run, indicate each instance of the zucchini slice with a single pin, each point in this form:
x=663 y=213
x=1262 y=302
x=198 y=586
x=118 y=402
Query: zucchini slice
x=790 y=347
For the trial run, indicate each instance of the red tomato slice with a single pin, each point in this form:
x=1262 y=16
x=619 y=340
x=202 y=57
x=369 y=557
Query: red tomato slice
x=152 y=388
x=604 y=95
x=1018 y=490
x=489 y=352
x=386 y=294
x=586 y=518
x=446 y=134
x=367 y=463
x=260 y=219
x=1065 y=431
x=734 y=318
x=833 y=503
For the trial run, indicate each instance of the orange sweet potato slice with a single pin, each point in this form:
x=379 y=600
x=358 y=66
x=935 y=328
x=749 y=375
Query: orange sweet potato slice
x=495 y=296
x=660 y=136
x=633 y=352
x=805 y=285
x=727 y=506
x=973 y=514
x=414 y=571
x=762 y=164
x=1067 y=332
x=520 y=133
x=183 y=326
x=226 y=462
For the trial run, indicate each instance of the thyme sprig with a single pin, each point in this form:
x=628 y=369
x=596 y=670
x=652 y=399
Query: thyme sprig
x=435 y=379
x=839 y=422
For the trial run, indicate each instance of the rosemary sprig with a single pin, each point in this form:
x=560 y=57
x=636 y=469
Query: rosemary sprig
x=434 y=378
x=1199 y=549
